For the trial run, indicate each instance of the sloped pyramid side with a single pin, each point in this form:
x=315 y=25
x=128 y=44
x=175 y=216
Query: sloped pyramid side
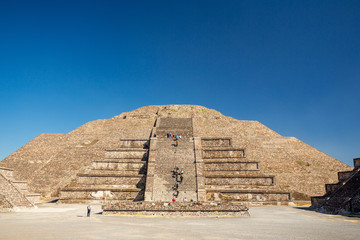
x=51 y=161
x=298 y=167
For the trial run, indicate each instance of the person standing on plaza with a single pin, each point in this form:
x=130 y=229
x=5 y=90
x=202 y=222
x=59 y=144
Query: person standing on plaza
x=88 y=210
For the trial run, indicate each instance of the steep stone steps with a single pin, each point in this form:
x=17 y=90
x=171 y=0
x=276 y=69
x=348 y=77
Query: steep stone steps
x=317 y=201
x=342 y=196
x=167 y=156
x=242 y=187
x=16 y=192
x=34 y=198
x=228 y=160
x=231 y=166
x=86 y=195
x=216 y=142
x=115 y=179
x=246 y=193
x=7 y=173
x=126 y=154
x=245 y=180
x=105 y=187
x=342 y=176
x=13 y=194
x=235 y=174
x=230 y=176
x=175 y=123
x=162 y=133
x=133 y=143
x=330 y=188
x=22 y=186
x=113 y=173
x=118 y=165
x=114 y=161
x=356 y=162
x=120 y=175
x=268 y=197
x=220 y=153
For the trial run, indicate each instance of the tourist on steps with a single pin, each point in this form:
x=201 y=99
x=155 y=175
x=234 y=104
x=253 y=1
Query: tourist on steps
x=177 y=175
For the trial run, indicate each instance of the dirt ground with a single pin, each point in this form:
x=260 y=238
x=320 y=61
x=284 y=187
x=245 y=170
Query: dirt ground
x=57 y=221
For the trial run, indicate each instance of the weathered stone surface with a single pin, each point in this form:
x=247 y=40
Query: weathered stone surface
x=343 y=196
x=176 y=208
x=4 y=203
x=15 y=193
x=50 y=162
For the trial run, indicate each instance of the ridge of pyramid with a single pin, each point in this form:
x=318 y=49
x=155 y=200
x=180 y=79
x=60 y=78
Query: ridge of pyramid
x=174 y=110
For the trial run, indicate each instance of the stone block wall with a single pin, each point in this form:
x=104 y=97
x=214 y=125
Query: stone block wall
x=15 y=193
x=230 y=176
x=4 y=203
x=119 y=176
x=342 y=196
x=298 y=167
x=216 y=142
x=238 y=180
x=223 y=153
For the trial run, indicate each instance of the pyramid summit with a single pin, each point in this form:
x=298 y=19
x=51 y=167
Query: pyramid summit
x=130 y=157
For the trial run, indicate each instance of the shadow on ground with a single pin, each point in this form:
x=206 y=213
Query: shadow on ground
x=351 y=215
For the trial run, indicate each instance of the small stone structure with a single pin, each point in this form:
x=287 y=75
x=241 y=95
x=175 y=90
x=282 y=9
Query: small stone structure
x=343 y=196
x=177 y=208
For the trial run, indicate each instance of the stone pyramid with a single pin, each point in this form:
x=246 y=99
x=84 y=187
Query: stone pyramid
x=129 y=157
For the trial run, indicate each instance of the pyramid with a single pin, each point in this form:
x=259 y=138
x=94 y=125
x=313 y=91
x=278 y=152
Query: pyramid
x=130 y=157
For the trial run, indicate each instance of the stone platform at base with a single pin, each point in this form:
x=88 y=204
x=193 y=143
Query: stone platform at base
x=176 y=209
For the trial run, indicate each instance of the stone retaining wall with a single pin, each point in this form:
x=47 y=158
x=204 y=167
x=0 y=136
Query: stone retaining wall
x=177 y=208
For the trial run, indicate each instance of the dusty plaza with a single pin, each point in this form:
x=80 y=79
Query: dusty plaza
x=62 y=221
x=176 y=171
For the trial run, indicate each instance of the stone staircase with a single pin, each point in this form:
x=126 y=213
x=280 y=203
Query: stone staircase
x=214 y=169
x=230 y=176
x=143 y=169
x=120 y=176
x=15 y=193
x=176 y=126
x=168 y=156
x=342 y=196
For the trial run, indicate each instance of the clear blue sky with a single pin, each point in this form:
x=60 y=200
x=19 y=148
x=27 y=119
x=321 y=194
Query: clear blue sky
x=292 y=65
